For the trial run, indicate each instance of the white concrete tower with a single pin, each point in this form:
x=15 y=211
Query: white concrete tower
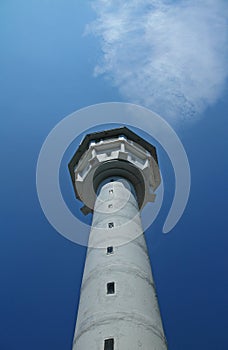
x=115 y=173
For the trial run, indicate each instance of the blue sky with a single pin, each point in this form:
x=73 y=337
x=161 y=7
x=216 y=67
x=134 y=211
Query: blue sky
x=57 y=57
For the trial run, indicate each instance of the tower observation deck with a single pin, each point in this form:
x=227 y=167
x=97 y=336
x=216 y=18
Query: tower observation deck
x=115 y=173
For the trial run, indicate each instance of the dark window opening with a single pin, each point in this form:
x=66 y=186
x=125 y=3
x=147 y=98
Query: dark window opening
x=109 y=250
x=109 y=344
x=111 y=288
x=110 y=224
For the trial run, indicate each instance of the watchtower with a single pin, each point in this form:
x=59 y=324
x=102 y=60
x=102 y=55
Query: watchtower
x=115 y=173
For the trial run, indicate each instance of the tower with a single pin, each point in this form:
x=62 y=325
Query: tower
x=115 y=173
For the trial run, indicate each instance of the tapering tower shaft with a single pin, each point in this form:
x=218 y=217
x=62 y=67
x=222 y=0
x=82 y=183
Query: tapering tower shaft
x=115 y=173
x=118 y=308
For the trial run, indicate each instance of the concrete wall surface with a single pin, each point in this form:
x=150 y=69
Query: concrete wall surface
x=129 y=314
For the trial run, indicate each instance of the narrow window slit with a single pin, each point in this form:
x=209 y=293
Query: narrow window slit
x=109 y=250
x=109 y=344
x=111 y=288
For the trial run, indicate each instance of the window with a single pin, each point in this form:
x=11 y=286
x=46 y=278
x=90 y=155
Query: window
x=110 y=224
x=109 y=250
x=111 y=288
x=109 y=344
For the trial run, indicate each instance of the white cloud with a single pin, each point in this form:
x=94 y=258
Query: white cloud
x=170 y=56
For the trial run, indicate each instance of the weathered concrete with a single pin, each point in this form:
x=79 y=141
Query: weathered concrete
x=131 y=314
x=115 y=173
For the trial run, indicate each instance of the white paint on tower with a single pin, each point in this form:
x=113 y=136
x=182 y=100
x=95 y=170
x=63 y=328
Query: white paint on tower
x=118 y=308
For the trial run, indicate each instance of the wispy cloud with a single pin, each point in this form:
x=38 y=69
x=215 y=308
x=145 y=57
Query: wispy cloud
x=170 y=56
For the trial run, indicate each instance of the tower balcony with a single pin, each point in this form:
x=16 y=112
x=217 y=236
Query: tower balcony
x=116 y=152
